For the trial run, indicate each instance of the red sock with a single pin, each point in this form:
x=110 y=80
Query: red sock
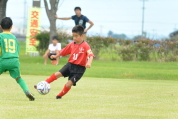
x=51 y=78
x=64 y=91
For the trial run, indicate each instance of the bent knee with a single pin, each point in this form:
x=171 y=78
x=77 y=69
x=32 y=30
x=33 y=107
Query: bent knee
x=17 y=78
x=58 y=74
x=69 y=84
x=46 y=56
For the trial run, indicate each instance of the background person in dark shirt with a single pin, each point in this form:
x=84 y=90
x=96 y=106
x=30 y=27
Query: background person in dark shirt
x=79 y=19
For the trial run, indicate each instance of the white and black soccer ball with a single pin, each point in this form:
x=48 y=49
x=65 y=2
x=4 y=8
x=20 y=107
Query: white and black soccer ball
x=43 y=87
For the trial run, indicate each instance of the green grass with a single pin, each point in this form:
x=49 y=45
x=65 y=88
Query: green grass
x=108 y=90
x=94 y=98
x=22 y=47
x=107 y=69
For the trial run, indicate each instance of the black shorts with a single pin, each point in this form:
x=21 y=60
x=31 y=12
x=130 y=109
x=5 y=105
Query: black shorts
x=50 y=56
x=73 y=71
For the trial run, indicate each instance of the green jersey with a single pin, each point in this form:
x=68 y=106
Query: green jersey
x=9 y=46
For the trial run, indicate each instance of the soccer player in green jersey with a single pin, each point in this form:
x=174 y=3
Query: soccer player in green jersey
x=9 y=53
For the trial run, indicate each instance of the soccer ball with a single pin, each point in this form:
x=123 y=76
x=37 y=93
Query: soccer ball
x=43 y=87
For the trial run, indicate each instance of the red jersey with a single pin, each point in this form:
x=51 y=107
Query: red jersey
x=78 y=53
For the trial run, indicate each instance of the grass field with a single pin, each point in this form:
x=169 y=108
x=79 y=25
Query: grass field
x=94 y=98
x=107 y=69
x=108 y=90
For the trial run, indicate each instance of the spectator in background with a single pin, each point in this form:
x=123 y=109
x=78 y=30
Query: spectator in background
x=79 y=19
x=53 y=49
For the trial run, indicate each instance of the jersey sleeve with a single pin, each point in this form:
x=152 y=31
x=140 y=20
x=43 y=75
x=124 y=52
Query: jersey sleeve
x=73 y=17
x=89 y=51
x=86 y=19
x=66 y=51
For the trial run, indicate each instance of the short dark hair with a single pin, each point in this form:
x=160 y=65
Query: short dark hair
x=6 y=23
x=77 y=8
x=55 y=37
x=78 y=29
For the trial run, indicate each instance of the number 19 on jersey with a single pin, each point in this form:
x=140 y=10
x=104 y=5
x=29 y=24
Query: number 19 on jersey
x=10 y=45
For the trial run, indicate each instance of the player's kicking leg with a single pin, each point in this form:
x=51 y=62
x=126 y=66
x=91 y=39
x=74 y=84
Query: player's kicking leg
x=51 y=78
x=66 y=88
x=64 y=72
x=57 y=75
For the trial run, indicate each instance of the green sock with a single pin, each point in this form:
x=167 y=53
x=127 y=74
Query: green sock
x=22 y=84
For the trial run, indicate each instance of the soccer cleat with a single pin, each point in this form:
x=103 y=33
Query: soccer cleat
x=58 y=97
x=29 y=96
x=35 y=86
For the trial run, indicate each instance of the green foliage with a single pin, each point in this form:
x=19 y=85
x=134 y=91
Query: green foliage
x=173 y=36
x=139 y=49
x=43 y=38
x=127 y=53
x=107 y=69
x=63 y=37
x=143 y=49
x=127 y=50
x=144 y=54
x=138 y=37
x=22 y=47
x=97 y=42
x=171 y=59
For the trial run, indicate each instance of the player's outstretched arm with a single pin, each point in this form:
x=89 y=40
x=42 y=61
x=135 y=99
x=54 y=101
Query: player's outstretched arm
x=67 y=18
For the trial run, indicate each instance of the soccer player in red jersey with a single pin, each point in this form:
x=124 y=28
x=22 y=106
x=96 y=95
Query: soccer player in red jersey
x=80 y=58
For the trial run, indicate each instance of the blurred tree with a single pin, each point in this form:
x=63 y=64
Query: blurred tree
x=138 y=37
x=2 y=10
x=51 y=12
x=173 y=36
x=118 y=36
x=175 y=33
x=110 y=33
